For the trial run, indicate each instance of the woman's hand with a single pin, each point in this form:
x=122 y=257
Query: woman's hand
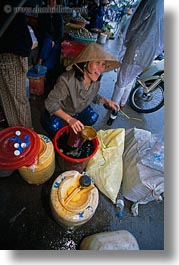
x=113 y=105
x=110 y=104
x=75 y=124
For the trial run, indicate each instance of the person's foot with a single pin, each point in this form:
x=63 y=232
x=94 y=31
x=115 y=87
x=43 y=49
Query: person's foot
x=122 y=106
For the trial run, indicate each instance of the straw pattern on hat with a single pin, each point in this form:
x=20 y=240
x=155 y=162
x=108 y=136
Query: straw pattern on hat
x=94 y=52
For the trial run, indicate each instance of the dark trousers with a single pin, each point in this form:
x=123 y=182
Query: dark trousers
x=53 y=123
x=49 y=55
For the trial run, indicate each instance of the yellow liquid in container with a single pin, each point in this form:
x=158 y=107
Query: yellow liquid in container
x=71 y=204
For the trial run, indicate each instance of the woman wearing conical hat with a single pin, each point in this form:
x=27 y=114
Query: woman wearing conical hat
x=69 y=101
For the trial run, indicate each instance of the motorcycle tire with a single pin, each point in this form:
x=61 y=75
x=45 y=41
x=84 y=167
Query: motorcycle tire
x=147 y=103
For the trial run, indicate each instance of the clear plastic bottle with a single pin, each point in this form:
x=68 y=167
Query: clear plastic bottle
x=120 y=206
x=112 y=117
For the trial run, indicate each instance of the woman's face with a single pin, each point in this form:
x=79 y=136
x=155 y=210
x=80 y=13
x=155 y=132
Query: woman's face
x=95 y=69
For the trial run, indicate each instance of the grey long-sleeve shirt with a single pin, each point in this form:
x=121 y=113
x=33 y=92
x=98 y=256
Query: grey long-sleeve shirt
x=70 y=95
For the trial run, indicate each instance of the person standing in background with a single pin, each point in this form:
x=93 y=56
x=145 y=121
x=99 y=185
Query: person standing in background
x=50 y=33
x=97 y=13
x=144 y=40
x=15 y=48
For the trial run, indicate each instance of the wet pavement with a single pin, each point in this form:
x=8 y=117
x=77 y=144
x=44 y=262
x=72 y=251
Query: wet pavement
x=26 y=219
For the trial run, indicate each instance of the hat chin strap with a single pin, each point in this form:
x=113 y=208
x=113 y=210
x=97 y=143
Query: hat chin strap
x=79 y=68
x=87 y=71
x=87 y=74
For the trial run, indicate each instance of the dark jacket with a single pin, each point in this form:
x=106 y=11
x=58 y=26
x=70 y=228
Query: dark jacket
x=97 y=17
x=50 y=26
x=16 y=37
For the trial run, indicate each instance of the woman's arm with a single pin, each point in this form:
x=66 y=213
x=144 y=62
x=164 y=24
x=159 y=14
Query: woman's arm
x=100 y=99
x=75 y=124
x=112 y=104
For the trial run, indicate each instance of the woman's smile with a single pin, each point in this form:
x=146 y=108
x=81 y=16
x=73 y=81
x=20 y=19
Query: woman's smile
x=95 y=69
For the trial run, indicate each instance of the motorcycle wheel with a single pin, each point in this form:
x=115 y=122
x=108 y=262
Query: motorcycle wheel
x=147 y=103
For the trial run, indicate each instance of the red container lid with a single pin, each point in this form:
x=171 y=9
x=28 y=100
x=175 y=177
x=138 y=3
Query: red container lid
x=19 y=147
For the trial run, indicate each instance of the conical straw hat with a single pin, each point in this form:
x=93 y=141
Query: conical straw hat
x=94 y=52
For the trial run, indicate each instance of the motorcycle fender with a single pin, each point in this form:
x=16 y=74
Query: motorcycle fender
x=156 y=67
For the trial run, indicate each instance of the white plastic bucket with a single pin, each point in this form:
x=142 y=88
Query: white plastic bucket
x=95 y=36
x=102 y=38
x=80 y=208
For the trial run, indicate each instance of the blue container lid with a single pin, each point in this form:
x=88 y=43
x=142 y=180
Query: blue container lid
x=33 y=73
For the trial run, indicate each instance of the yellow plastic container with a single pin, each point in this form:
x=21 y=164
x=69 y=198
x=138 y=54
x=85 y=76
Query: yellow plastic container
x=44 y=166
x=72 y=205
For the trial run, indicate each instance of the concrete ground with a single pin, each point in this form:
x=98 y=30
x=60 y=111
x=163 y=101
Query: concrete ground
x=26 y=220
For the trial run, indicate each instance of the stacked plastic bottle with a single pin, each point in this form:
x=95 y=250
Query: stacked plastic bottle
x=120 y=206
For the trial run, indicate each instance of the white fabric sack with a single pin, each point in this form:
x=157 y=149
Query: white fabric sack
x=143 y=181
